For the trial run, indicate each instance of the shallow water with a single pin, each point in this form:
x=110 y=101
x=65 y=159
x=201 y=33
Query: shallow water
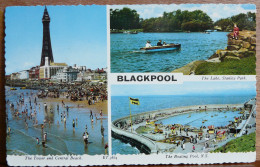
x=60 y=139
x=120 y=108
x=126 y=55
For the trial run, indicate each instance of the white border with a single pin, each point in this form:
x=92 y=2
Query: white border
x=137 y=159
x=108 y=83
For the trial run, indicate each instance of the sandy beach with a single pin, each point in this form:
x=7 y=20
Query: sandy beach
x=80 y=104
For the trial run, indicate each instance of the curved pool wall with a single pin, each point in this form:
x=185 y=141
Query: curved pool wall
x=146 y=145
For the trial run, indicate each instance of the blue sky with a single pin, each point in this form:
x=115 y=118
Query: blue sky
x=223 y=88
x=215 y=11
x=78 y=36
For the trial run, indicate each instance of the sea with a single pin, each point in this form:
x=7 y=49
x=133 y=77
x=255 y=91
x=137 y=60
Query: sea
x=60 y=139
x=120 y=108
x=127 y=57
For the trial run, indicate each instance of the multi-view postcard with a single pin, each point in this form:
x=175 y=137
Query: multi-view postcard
x=130 y=84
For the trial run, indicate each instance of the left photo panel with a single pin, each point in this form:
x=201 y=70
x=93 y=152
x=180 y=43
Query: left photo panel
x=56 y=80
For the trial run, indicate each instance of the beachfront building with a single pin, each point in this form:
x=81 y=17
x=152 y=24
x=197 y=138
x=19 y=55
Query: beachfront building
x=67 y=74
x=34 y=73
x=80 y=68
x=50 y=69
x=14 y=76
x=24 y=74
x=8 y=77
x=100 y=74
x=85 y=75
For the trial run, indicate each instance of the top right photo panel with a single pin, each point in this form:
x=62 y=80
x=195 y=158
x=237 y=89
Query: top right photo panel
x=193 y=39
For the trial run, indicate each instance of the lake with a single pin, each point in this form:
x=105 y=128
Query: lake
x=120 y=108
x=127 y=57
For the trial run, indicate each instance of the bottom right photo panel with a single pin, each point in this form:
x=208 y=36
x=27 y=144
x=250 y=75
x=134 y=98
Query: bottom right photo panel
x=193 y=117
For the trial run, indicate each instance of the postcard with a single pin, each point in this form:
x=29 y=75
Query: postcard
x=130 y=84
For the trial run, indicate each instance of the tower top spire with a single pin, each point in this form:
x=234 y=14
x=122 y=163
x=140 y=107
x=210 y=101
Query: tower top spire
x=46 y=17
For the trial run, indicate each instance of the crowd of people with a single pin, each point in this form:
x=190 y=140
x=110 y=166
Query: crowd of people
x=28 y=106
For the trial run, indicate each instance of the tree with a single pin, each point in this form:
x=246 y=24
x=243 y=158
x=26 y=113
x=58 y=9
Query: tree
x=124 y=19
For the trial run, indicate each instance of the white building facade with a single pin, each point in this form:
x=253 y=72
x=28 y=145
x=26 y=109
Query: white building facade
x=24 y=74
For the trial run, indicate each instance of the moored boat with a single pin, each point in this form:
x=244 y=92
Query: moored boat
x=13 y=89
x=23 y=88
x=161 y=48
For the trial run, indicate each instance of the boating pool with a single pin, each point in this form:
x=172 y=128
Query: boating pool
x=195 y=119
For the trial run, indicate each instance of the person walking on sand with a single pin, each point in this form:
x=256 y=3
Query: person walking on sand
x=193 y=148
x=101 y=113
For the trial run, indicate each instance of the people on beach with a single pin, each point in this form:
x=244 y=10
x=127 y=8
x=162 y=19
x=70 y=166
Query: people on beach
x=45 y=136
x=91 y=114
x=85 y=137
x=106 y=147
x=102 y=130
x=73 y=124
x=8 y=130
x=37 y=141
x=27 y=109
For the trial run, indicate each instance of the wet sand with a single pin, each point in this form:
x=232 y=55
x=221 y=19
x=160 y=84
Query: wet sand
x=80 y=104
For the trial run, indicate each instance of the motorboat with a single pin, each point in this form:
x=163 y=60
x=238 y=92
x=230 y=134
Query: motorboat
x=167 y=47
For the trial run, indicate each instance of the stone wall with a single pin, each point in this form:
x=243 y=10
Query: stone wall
x=242 y=47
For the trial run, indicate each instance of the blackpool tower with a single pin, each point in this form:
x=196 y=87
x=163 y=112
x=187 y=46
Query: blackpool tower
x=46 y=41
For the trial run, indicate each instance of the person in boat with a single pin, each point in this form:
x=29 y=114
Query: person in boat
x=159 y=43
x=164 y=43
x=148 y=44
x=236 y=32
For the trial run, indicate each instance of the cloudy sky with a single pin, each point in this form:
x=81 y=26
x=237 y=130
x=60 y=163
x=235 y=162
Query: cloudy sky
x=78 y=36
x=187 y=88
x=215 y=11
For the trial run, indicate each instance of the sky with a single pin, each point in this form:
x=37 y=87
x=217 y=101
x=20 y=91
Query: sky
x=215 y=11
x=78 y=36
x=187 y=88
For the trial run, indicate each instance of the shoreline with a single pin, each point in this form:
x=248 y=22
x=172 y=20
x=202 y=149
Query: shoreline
x=244 y=47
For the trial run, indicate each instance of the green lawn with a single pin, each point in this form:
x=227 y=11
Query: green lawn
x=245 y=143
x=245 y=66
